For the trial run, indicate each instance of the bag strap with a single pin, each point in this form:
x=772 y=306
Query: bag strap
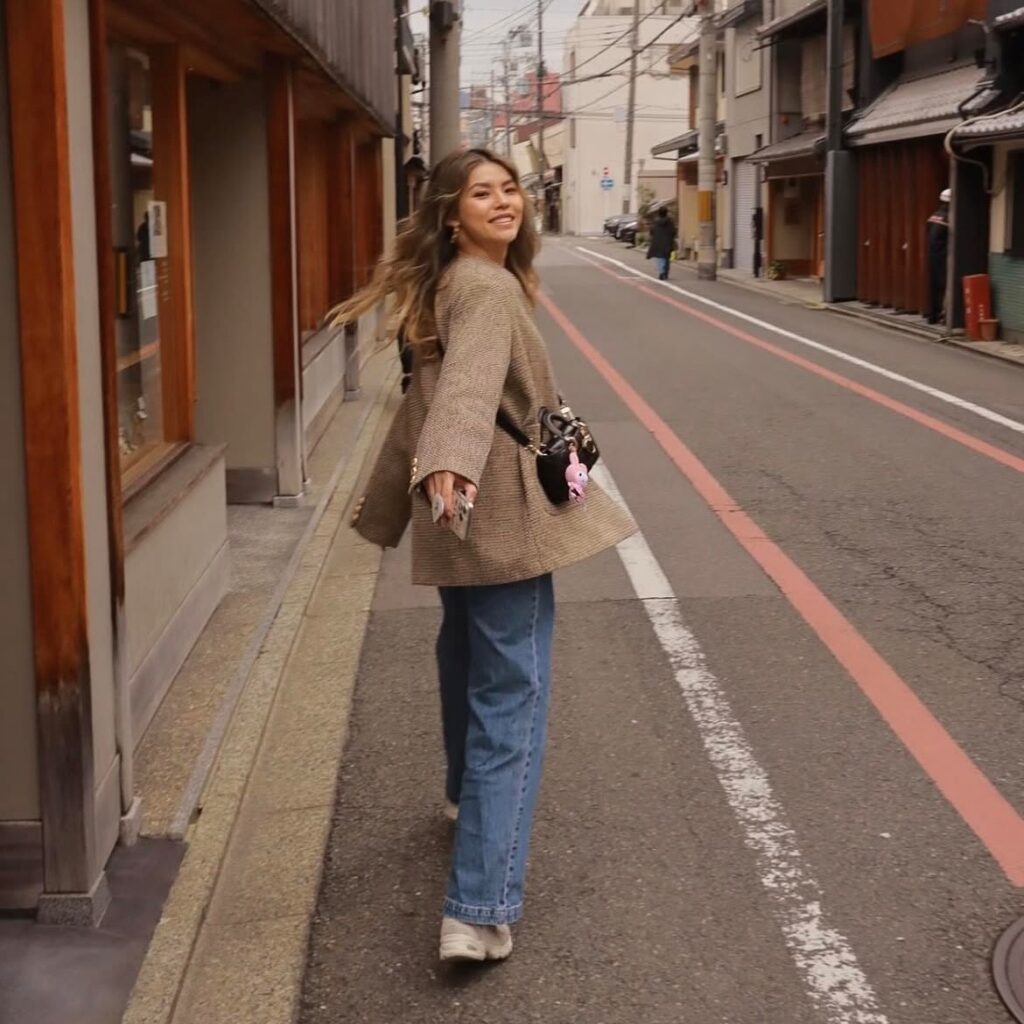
x=506 y=424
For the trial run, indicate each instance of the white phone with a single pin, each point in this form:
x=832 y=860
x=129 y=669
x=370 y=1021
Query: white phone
x=459 y=523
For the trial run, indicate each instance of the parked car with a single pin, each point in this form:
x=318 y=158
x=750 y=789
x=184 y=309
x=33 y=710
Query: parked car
x=627 y=229
x=612 y=222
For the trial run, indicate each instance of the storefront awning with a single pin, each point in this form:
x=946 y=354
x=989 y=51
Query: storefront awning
x=995 y=127
x=804 y=144
x=926 y=105
x=740 y=12
x=688 y=140
x=788 y=21
x=684 y=55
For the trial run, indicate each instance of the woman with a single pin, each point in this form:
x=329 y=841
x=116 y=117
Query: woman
x=462 y=282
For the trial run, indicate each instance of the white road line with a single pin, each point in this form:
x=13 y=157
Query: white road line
x=927 y=389
x=827 y=965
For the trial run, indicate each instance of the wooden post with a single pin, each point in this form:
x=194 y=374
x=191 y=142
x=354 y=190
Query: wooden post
x=49 y=369
x=284 y=279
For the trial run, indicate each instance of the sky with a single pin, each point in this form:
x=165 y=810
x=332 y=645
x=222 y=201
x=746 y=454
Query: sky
x=486 y=22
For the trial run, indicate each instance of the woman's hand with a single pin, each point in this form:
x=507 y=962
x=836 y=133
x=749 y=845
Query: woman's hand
x=446 y=484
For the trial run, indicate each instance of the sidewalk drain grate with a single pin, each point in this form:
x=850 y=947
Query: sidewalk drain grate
x=1008 y=968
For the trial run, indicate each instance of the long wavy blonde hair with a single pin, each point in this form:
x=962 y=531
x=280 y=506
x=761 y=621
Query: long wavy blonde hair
x=411 y=272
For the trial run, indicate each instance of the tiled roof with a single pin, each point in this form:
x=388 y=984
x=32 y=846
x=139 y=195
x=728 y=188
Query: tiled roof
x=921 y=106
x=803 y=144
x=998 y=125
x=1012 y=19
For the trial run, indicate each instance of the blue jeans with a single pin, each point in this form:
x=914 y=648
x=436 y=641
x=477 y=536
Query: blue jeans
x=662 y=262
x=494 y=664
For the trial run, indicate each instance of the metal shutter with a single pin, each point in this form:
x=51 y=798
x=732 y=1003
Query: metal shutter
x=744 y=191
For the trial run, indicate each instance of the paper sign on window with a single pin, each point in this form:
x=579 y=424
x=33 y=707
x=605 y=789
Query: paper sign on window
x=157 y=213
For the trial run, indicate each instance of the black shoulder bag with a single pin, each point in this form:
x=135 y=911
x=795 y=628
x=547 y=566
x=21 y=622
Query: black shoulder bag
x=561 y=434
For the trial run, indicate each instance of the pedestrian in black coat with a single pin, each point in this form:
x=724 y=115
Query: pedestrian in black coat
x=938 y=247
x=663 y=242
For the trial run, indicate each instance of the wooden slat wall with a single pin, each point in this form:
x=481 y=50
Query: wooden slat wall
x=312 y=189
x=369 y=209
x=341 y=214
x=49 y=366
x=901 y=213
x=357 y=40
x=864 y=213
x=899 y=189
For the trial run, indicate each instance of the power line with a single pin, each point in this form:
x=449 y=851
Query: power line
x=657 y=10
x=607 y=73
x=508 y=17
x=626 y=60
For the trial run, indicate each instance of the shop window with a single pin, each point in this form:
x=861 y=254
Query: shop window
x=147 y=293
x=1015 y=204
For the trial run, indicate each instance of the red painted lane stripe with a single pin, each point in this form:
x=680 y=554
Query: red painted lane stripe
x=961 y=437
x=992 y=818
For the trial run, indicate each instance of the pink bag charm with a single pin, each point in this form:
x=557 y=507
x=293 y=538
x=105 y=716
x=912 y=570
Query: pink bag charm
x=577 y=477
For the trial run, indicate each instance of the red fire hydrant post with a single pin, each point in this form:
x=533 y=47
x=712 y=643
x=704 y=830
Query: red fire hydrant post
x=977 y=303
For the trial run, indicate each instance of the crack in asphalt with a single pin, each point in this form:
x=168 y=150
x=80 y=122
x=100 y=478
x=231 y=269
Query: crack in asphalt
x=945 y=588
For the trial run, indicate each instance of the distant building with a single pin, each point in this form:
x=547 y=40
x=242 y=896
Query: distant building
x=595 y=90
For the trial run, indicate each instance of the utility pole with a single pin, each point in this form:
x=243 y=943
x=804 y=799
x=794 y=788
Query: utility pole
x=445 y=32
x=490 y=113
x=540 y=101
x=707 y=255
x=840 y=175
x=508 y=96
x=634 y=45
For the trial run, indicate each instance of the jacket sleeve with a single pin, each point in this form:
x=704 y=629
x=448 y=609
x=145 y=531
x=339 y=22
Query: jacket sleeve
x=459 y=429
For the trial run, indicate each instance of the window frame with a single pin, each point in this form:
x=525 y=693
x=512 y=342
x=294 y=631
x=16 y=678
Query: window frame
x=168 y=78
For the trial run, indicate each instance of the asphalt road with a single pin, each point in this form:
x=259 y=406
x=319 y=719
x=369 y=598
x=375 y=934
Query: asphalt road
x=785 y=771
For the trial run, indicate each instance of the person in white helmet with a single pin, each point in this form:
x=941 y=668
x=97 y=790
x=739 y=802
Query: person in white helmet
x=938 y=247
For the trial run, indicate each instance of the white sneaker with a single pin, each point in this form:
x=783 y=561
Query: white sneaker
x=451 y=810
x=474 y=942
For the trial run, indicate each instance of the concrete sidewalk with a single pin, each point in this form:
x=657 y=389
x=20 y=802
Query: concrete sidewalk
x=231 y=943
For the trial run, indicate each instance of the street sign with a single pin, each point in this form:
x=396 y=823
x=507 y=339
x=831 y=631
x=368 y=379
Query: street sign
x=607 y=183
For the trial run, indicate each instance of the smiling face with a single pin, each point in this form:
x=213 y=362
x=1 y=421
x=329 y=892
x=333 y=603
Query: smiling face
x=490 y=211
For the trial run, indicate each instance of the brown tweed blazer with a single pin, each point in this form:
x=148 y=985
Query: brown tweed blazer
x=493 y=354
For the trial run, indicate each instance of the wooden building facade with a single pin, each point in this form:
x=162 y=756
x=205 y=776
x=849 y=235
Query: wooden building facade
x=186 y=188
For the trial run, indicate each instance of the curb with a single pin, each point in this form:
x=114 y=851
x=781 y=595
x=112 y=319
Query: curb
x=921 y=332
x=858 y=314
x=881 y=321
x=207 y=758
x=231 y=942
